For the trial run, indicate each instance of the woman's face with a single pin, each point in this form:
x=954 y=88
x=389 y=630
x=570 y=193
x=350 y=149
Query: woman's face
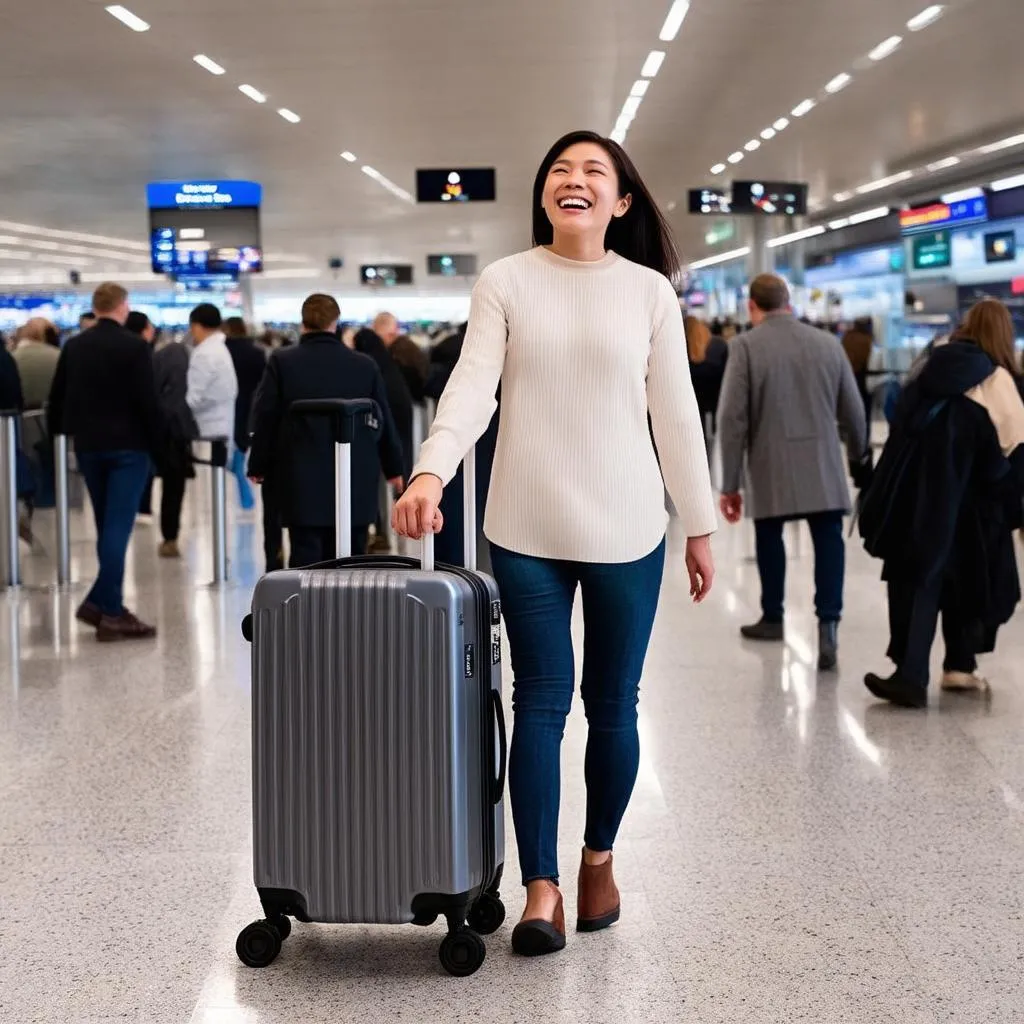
x=581 y=193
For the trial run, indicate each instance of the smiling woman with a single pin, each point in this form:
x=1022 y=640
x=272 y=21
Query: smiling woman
x=585 y=335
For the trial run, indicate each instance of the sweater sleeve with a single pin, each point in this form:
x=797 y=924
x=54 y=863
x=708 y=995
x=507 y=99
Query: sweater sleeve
x=675 y=419
x=468 y=402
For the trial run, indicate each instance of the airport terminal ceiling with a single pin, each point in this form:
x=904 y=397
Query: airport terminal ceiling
x=90 y=111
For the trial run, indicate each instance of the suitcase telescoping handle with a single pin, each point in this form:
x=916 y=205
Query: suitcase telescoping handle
x=347 y=416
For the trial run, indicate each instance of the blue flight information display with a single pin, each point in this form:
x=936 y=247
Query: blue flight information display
x=205 y=227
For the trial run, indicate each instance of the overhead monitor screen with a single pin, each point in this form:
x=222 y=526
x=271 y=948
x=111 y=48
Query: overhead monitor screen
x=705 y=201
x=451 y=266
x=456 y=185
x=1001 y=247
x=386 y=274
x=772 y=198
x=932 y=251
x=205 y=227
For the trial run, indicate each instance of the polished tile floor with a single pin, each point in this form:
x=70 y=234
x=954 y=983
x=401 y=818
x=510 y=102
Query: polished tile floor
x=794 y=851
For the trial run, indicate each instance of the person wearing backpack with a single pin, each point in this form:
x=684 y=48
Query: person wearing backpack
x=943 y=505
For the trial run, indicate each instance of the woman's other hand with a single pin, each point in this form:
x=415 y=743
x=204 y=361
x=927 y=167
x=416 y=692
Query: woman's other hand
x=701 y=566
x=417 y=512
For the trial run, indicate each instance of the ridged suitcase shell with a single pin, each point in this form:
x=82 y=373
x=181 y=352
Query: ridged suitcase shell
x=371 y=777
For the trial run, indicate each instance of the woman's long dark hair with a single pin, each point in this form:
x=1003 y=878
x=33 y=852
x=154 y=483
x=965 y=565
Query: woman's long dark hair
x=641 y=235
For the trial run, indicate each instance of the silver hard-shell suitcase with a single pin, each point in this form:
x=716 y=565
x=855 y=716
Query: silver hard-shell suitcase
x=378 y=740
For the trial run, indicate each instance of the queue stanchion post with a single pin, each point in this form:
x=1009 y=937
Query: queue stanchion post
x=9 y=491
x=61 y=493
x=218 y=485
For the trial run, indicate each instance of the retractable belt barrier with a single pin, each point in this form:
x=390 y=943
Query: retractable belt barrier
x=218 y=462
x=9 y=493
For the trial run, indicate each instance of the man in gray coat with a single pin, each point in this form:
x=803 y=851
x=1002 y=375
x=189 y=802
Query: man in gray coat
x=788 y=388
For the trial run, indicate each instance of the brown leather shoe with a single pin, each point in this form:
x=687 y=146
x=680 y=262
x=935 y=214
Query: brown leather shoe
x=537 y=937
x=123 y=627
x=597 y=897
x=89 y=613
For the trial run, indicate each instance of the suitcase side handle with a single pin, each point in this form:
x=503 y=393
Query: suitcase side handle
x=498 y=784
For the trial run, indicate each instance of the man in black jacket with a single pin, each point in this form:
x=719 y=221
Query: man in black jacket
x=249 y=361
x=297 y=457
x=104 y=398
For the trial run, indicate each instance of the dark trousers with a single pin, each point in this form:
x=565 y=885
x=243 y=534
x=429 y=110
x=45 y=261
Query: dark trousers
x=146 y=501
x=829 y=564
x=312 y=544
x=115 y=481
x=913 y=616
x=172 y=497
x=619 y=603
x=273 y=531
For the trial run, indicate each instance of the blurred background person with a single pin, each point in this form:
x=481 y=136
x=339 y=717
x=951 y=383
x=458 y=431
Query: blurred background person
x=250 y=362
x=708 y=354
x=858 y=343
x=212 y=384
x=36 y=353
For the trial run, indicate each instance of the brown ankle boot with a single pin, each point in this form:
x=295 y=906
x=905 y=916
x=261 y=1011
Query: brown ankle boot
x=536 y=937
x=597 y=898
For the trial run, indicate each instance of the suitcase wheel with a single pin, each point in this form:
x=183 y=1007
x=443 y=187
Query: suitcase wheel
x=462 y=953
x=259 y=943
x=487 y=915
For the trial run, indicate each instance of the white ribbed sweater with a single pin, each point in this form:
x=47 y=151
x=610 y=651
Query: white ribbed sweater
x=584 y=351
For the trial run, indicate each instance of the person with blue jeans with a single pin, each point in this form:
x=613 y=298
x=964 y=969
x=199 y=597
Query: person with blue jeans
x=104 y=398
x=584 y=332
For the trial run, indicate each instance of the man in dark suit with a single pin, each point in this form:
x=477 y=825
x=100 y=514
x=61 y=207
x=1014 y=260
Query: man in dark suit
x=104 y=398
x=250 y=361
x=297 y=457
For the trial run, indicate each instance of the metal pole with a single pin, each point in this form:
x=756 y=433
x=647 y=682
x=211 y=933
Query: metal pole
x=220 y=521
x=469 y=510
x=63 y=510
x=342 y=500
x=10 y=493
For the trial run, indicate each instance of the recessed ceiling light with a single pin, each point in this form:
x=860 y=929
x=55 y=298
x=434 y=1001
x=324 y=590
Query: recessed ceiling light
x=835 y=225
x=670 y=206
x=892 y=179
x=876 y=213
x=782 y=124
x=768 y=134
x=796 y=236
x=718 y=168
x=842 y=197
x=254 y=94
x=350 y=157
x=803 y=108
x=289 y=115
x=884 y=48
x=995 y=147
x=962 y=194
x=925 y=18
x=1006 y=183
x=735 y=158
x=841 y=81
x=211 y=65
x=674 y=20
x=941 y=165
x=752 y=145
x=133 y=21
x=640 y=87
x=653 y=63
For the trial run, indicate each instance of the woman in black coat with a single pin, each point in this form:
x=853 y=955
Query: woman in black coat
x=945 y=500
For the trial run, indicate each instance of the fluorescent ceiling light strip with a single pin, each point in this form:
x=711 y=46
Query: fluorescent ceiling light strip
x=1006 y=183
x=653 y=63
x=925 y=18
x=254 y=94
x=782 y=124
x=123 y=15
x=718 y=168
x=94 y=277
x=77 y=236
x=674 y=21
x=884 y=48
x=875 y=213
x=640 y=87
x=842 y=197
x=941 y=165
x=618 y=135
x=995 y=147
x=803 y=108
x=835 y=225
x=722 y=257
x=735 y=158
x=372 y=172
x=210 y=65
x=350 y=157
x=796 y=236
x=15 y=254
x=892 y=179
x=289 y=115
x=631 y=106
x=752 y=145
x=283 y=273
x=961 y=194
x=768 y=134
x=35 y=243
x=838 y=83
